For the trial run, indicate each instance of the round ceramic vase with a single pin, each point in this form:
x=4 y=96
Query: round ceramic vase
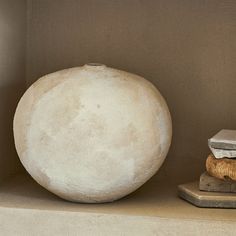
x=92 y=133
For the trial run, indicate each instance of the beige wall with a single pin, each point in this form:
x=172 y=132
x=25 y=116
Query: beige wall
x=12 y=77
x=186 y=48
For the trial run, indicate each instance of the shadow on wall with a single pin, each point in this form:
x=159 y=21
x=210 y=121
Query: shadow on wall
x=12 y=78
x=9 y=163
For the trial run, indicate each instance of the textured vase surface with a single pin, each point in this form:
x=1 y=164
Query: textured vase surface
x=92 y=133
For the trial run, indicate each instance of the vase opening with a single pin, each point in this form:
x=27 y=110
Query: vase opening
x=94 y=64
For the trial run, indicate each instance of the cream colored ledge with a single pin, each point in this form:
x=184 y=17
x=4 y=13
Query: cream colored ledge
x=28 y=209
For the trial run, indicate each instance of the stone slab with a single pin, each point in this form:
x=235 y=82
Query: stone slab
x=191 y=193
x=221 y=153
x=212 y=184
x=225 y=139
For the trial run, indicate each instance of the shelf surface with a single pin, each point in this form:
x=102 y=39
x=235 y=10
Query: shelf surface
x=153 y=199
x=155 y=203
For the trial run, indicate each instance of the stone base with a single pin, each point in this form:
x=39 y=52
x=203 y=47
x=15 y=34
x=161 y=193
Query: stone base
x=212 y=184
x=192 y=194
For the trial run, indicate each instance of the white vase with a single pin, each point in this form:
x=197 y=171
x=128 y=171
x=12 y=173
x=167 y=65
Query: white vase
x=92 y=133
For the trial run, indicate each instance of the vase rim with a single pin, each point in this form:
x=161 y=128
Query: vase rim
x=94 y=64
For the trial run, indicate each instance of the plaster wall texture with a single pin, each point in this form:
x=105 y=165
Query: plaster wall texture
x=12 y=78
x=186 y=48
